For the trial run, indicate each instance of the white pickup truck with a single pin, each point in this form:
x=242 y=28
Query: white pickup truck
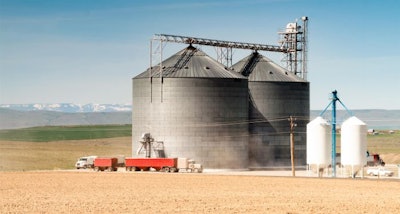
x=379 y=172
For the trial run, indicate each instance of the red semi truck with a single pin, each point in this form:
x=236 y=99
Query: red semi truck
x=109 y=164
x=162 y=164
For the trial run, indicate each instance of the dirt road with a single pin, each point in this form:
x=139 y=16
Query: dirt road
x=121 y=192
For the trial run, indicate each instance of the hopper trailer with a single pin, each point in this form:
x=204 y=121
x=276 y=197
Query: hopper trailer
x=162 y=164
x=109 y=164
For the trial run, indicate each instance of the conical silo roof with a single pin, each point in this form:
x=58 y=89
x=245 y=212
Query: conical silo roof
x=260 y=68
x=190 y=63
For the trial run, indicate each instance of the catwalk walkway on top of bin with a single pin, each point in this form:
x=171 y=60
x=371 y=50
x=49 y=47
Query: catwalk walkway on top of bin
x=220 y=43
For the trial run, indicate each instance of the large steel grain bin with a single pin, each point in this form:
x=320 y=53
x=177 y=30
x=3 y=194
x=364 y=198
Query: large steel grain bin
x=275 y=95
x=198 y=109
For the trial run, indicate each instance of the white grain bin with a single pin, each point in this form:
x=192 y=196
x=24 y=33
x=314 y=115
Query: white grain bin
x=354 y=143
x=319 y=142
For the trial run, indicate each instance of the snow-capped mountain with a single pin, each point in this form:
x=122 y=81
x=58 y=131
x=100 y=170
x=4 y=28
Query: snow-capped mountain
x=69 y=107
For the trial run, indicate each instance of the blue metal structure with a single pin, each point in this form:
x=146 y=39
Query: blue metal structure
x=333 y=103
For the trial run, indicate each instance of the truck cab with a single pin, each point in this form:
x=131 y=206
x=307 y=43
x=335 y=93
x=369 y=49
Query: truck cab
x=85 y=162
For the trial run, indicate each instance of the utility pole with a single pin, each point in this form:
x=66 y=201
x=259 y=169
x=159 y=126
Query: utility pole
x=292 y=125
x=334 y=99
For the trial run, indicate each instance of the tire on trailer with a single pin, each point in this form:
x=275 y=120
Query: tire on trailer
x=166 y=169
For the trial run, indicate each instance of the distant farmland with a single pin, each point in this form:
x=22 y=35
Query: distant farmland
x=58 y=147
x=11 y=119
x=57 y=133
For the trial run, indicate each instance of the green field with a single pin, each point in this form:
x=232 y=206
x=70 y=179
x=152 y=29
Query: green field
x=384 y=143
x=58 y=133
x=58 y=147
x=381 y=143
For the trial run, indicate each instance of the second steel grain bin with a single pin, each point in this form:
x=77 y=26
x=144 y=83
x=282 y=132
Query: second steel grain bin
x=196 y=107
x=275 y=94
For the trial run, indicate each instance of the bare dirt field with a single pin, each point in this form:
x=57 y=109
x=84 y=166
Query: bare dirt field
x=122 y=192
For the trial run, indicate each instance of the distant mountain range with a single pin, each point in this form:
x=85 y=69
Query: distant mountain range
x=13 y=119
x=69 y=107
x=30 y=115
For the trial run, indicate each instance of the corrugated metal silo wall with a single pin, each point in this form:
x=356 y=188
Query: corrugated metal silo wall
x=200 y=118
x=274 y=102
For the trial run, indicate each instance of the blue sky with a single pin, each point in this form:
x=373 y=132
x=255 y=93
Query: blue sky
x=87 y=51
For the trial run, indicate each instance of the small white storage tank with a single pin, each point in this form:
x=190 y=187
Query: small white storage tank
x=354 y=142
x=319 y=142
